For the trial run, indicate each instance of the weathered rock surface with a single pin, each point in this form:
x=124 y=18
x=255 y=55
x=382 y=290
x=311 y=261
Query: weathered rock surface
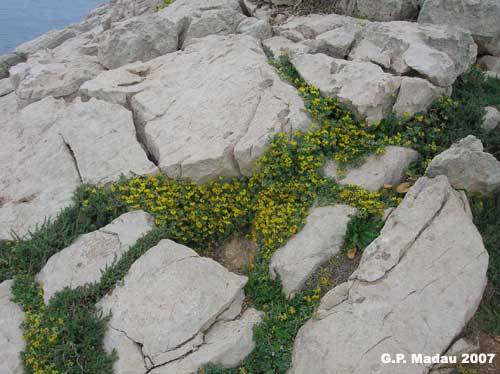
x=6 y=87
x=377 y=170
x=416 y=95
x=49 y=40
x=491 y=119
x=11 y=317
x=226 y=343
x=207 y=111
x=84 y=260
x=362 y=87
x=467 y=167
x=482 y=18
x=169 y=299
x=490 y=63
x=137 y=39
x=320 y=240
x=379 y=53
x=6 y=61
x=416 y=288
x=50 y=147
x=8 y=107
x=387 y=10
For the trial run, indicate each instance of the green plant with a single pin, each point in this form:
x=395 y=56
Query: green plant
x=165 y=4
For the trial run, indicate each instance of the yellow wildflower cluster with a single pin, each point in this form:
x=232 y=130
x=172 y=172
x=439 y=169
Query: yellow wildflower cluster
x=366 y=202
x=196 y=212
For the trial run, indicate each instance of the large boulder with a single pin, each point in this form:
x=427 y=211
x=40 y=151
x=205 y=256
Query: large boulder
x=319 y=241
x=416 y=95
x=491 y=118
x=11 y=317
x=377 y=170
x=166 y=308
x=6 y=61
x=6 y=87
x=490 y=63
x=482 y=18
x=50 y=147
x=416 y=288
x=468 y=167
x=362 y=87
x=387 y=10
x=207 y=111
x=49 y=40
x=84 y=261
x=137 y=39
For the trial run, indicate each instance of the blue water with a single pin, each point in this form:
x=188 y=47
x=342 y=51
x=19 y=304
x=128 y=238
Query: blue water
x=23 y=20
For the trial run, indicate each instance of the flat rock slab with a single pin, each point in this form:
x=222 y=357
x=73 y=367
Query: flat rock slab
x=320 y=240
x=167 y=302
x=416 y=288
x=50 y=147
x=6 y=87
x=377 y=170
x=468 y=167
x=207 y=111
x=482 y=18
x=84 y=261
x=11 y=317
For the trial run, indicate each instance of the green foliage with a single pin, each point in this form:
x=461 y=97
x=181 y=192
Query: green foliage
x=270 y=207
x=92 y=209
x=165 y=4
x=362 y=230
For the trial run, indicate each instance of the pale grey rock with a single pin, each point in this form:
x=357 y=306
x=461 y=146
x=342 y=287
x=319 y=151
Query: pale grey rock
x=84 y=261
x=196 y=19
x=279 y=45
x=491 y=118
x=387 y=10
x=6 y=87
x=481 y=17
x=37 y=169
x=377 y=170
x=490 y=63
x=416 y=95
x=49 y=40
x=137 y=39
x=103 y=141
x=417 y=286
x=50 y=147
x=119 y=10
x=257 y=28
x=11 y=317
x=467 y=167
x=437 y=53
x=320 y=240
x=283 y=2
x=207 y=111
x=8 y=107
x=301 y=28
x=168 y=301
x=34 y=80
x=335 y=43
x=362 y=87
x=226 y=343
x=8 y=60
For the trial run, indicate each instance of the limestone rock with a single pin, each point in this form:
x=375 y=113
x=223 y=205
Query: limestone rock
x=437 y=53
x=279 y=45
x=362 y=87
x=119 y=10
x=137 y=39
x=8 y=107
x=482 y=18
x=491 y=119
x=84 y=260
x=320 y=240
x=167 y=302
x=50 y=147
x=387 y=10
x=467 y=167
x=377 y=170
x=6 y=61
x=417 y=286
x=490 y=63
x=6 y=87
x=49 y=40
x=34 y=80
x=226 y=343
x=257 y=28
x=11 y=317
x=207 y=111
x=416 y=95
x=336 y=43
